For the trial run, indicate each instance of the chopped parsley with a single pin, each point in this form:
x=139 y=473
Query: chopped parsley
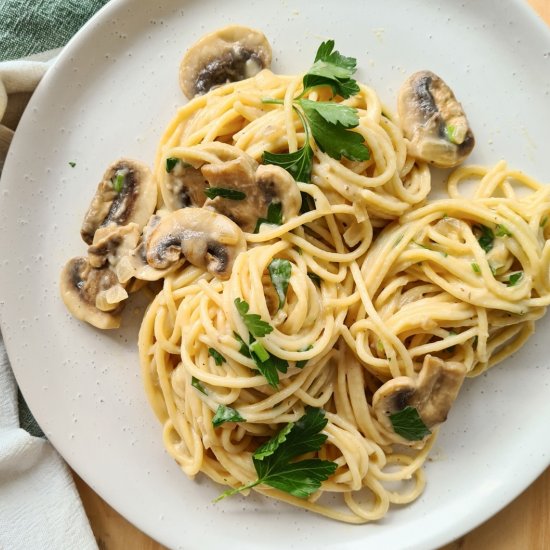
x=253 y=322
x=218 y=357
x=275 y=463
x=329 y=123
x=514 y=278
x=408 y=424
x=226 y=414
x=196 y=384
x=72 y=164
x=119 y=180
x=475 y=267
x=280 y=271
x=274 y=216
x=171 y=163
x=231 y=194
x=502 y=231
x=485 y=237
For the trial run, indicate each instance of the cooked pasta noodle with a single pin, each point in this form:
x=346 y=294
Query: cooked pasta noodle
x=380 y=280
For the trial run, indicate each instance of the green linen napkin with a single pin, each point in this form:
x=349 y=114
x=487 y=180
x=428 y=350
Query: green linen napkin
x=32 y=26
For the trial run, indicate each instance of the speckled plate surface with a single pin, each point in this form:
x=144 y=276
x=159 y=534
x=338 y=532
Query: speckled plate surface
x=111 y=93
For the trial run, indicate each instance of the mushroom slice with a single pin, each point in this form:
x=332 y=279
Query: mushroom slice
x=434 y=121
x=134 y=263
x=432 y=393
x=183 y=185
x=227 y=55
x=206 y=239
x=127 y=193
x=112 y=243
x=92 y=295
x=261 y=185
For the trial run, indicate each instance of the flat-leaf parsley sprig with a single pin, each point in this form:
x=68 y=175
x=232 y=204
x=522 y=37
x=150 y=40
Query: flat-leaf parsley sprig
x=274 y=460
x=328 y=122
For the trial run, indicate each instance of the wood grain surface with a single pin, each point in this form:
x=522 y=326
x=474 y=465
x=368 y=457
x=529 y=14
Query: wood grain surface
x=523 y=524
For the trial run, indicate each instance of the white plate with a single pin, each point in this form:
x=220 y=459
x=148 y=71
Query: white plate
x=111 y=93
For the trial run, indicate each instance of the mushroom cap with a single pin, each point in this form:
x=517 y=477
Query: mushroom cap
x=262 y=185
x=83 y=286
x=134 y=202
x=434 y=121
x=225 y=166
x=205 y=238
x=229 y=54
x=432 y=393
x=134 y=263
x=111 y=243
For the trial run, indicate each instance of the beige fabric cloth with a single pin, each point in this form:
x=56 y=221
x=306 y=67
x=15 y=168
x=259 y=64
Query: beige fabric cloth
x=18 y=80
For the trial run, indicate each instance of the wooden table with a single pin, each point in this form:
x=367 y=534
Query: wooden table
x=523 y=524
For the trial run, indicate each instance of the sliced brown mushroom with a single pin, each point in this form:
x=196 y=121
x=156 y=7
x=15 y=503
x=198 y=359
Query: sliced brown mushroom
x=134 y=263
x=92 y=295
x=111 y=243
x=434 y=121
x=432 y=393
x=205 y=238
x=261 y=185
x=183 y=185
x=229 y=54
x=127 y=193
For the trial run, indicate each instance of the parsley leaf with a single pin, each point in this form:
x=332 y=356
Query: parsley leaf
x=297 y=164
x=72 y=164
x=334 y=113
x=314 y=277
x=171 y=163
x=280 y=271
x=485 y=237
x=270 y=367
x=335 y=139
x=408 y=424
x=259 y=351
x=218 y=357
x=231 y=194
x=273 y=461
x=196 y=384
x=226 y=414
x=332 y=69
x=244 y=347
x=255 y=325
x=119 y=180
x=274 y=216
x=502 y=231
x=514 y=278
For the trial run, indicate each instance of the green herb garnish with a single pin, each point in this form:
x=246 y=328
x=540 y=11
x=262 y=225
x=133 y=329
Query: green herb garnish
x=328 y=122
x=218 y=357
x=259 y=351
x=280 y=271
x=450 y=133
x=408 y=424
x=196 y=384
x=502 y=231
x=72 y=164
x=514 y=278
x=475 y=267
x=314 y=277
x=231 y=194
x=253 y=322
x=274 y=460
x=274 y=216
x=226 y=414
x=171 y=163
x=485 y=237
x=332 y=69
x=543 y=221
x=119 y=180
